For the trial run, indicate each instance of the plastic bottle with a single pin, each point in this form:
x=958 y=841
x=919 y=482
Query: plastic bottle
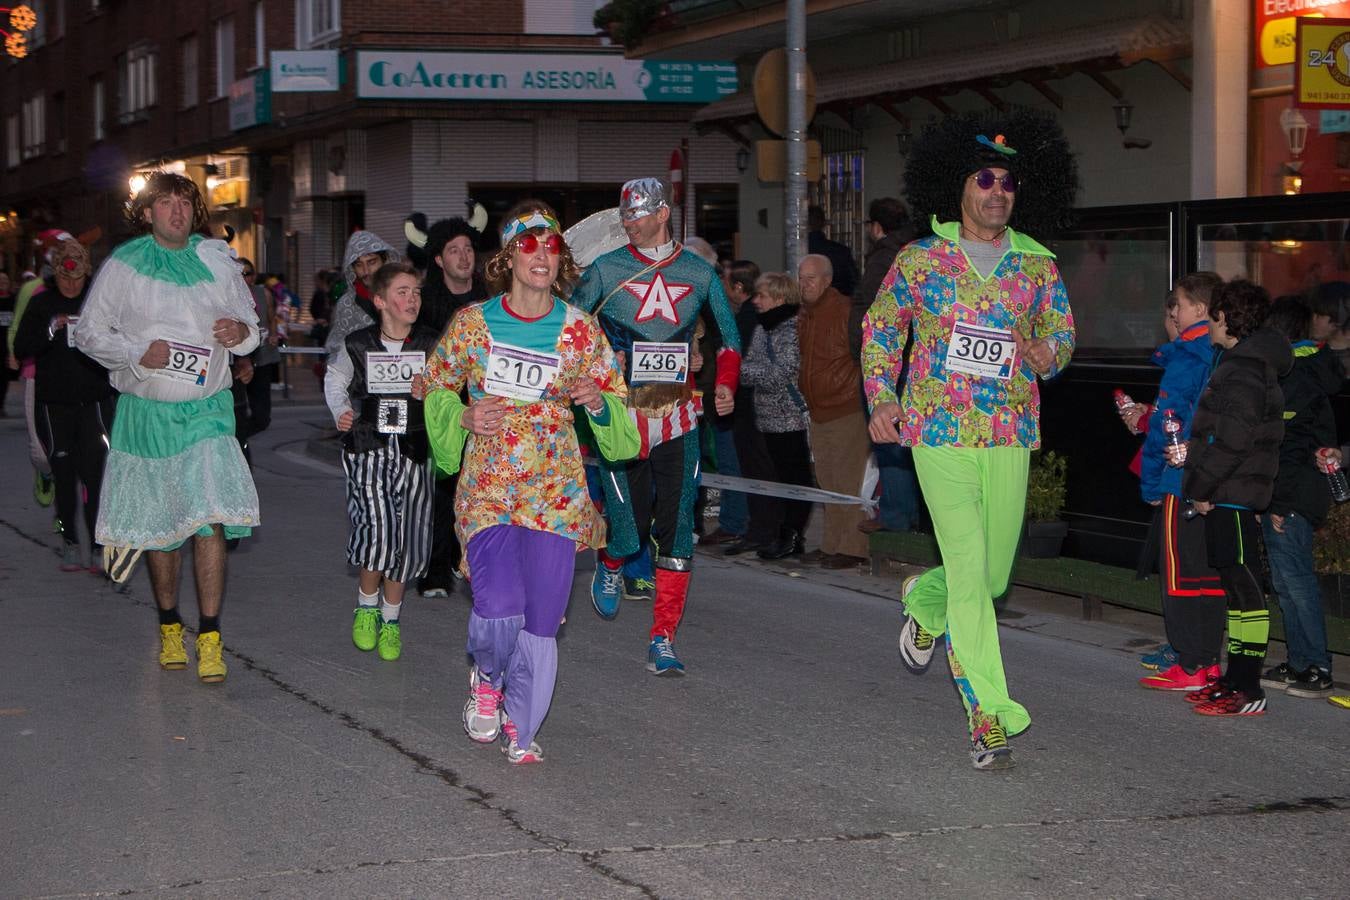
x=1175 y=446
x=1340 y=488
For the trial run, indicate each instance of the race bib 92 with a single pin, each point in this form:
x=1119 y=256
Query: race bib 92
x=187 y=363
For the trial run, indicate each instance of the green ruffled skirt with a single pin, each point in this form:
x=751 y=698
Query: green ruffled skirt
x=174 y=470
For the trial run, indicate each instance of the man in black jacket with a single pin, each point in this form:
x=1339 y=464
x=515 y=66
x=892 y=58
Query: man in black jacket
x=451 y=283
x=1231 y=460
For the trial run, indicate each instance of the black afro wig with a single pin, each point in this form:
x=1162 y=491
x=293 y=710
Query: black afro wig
x=950 y=150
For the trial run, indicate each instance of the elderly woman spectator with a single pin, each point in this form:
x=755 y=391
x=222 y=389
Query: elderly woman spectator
x=771 y=366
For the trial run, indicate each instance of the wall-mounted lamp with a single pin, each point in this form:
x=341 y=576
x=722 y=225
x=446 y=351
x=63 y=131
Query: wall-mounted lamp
x=904 y=139
x=1124 y=111
x=1295 y=128
x=742 y=159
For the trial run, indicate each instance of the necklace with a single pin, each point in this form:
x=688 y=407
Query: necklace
x=390 y=337
x=995 y=241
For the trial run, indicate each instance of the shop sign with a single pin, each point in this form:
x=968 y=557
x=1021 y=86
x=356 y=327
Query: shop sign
x=305 y=71
x=1322 y=66
x=1276 y=21
x=1334 y=121
x=552 y=77
x=250 y=101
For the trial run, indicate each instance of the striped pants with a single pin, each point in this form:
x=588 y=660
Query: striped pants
x=389 y=502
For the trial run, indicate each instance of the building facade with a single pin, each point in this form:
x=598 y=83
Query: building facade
x=415 y=106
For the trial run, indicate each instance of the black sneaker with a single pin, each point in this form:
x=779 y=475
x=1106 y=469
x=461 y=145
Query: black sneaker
x=1279 y=677
x=1313 y=684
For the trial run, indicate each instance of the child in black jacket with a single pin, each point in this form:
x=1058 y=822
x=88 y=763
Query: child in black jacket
x=1233 y=456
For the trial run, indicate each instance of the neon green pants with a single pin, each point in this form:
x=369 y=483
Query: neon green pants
x=977 y=500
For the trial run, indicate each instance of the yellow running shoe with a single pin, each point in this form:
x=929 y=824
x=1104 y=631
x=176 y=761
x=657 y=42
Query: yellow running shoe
x=1341 y=700
x=172 y=654
x=210 y=667
x=390 y=642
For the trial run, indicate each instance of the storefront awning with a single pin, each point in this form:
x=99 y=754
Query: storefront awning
x=1097 y=48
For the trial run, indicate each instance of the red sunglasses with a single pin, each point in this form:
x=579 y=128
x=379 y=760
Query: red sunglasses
x=528 y=243
x=985 y=178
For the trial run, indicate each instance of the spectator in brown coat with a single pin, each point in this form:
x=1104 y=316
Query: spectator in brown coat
x=830 y=379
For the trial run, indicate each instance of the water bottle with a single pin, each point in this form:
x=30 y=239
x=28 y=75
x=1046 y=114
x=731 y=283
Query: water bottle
x=1124 y=403
x=1340 y=488
x=1175 y=448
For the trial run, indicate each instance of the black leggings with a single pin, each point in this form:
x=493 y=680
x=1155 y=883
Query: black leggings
x=75 y=436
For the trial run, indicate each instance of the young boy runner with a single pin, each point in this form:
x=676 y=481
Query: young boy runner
x=374 y=390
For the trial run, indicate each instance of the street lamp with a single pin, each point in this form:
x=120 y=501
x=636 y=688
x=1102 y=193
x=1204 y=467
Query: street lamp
x=1295 y=128
x=742 y=159
x=136 y=184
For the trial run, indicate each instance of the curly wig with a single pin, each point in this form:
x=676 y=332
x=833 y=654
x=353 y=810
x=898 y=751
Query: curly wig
x=949 y=150
x=497 y=272
x=1244 y=305
x=166 y=184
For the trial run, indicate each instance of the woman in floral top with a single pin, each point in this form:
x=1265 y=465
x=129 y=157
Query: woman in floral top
x=528 y=361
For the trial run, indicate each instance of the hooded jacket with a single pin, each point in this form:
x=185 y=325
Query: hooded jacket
x=64 y=375
x=1185 y=362
x=1234 y=451
x=354 y=311
x=1309 y=424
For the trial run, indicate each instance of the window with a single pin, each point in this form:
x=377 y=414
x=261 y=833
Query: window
x=561 y=16
x=58 y=122
x=224 y=56
x=191 y=75
x=34 y=126
x=840 y=194
x=37 y=37
x=317 y=21
x=12 y=158
x=136 y=83
x=259 y=34
x=100 y=111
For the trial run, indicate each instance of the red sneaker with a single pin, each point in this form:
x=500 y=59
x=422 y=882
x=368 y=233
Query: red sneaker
x=1177 y=679
x=1234 y=703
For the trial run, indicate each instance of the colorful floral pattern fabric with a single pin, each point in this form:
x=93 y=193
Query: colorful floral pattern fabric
x=530 y=472
x=933 y=286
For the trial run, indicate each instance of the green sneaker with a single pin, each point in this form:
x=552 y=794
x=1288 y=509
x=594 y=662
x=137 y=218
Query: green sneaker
x=365 y=626
x=44 y=489
x=391 y=643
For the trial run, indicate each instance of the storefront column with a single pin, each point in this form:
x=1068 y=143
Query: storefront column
x=1221 y=47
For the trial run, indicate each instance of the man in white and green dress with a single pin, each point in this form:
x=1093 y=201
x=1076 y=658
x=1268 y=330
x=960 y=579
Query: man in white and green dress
x=165 y=313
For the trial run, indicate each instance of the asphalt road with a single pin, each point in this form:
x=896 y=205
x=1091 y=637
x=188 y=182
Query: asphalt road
x=797 y=759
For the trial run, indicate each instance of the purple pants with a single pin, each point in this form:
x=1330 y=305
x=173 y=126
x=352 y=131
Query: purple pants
x=522 y=580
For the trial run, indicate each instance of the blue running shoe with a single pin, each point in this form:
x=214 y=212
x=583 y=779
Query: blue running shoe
x=1162 y=658
x=661 y=658
x=606 y=590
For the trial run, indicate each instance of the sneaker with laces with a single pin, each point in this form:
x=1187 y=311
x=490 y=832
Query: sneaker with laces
x=210 y=667
x=989 y=750
x=390 y=641
x=1212 y=691
x=366 y=627
x=1278 y=678
x=1162 y=658
x=916 y=645
x=482 y=713
x=661 y=658
x=606 y=590
x=1234 y=703
x=44 y=489
x=638 y=588
x=515 y=755
x=1175 y=678
x=1342 y=701
x=172 y=653
x=70 y=558
x=1311 y=684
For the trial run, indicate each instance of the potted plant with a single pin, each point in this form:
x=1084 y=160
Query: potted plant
x=1046 y=485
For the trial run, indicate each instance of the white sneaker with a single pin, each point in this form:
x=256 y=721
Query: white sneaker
x=916 y=645
x=515 y=754
x=482 y=713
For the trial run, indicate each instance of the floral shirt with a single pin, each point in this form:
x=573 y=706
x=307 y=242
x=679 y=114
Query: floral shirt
x=530 y=472
x=934 y=286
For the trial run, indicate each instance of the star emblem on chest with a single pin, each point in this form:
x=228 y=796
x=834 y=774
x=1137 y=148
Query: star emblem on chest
x=658 y=299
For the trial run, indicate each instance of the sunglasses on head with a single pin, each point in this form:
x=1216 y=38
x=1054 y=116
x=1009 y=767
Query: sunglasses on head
x=985 y=178
x=529 y=243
